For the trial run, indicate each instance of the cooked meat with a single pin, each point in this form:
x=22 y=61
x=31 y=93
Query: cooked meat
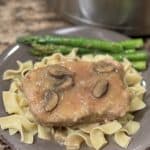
x=75 y=92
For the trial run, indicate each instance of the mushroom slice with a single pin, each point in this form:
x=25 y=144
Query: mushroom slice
x=50 y=100
x=103 y=67
x=59 y=71
x=66 y=82
x=100 y=88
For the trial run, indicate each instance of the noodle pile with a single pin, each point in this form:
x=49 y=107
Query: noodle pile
x=20 y=119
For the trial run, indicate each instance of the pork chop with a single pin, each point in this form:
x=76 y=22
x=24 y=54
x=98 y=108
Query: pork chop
x=76 y=92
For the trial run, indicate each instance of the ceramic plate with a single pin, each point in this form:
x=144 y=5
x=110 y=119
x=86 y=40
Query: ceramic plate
x=140 y=141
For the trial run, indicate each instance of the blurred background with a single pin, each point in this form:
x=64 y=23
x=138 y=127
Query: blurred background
x=19 y=17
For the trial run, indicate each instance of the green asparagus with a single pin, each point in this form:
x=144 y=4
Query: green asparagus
x=139 y=65
x=132 y=43
x=84 y=42
x=101 y=45
x=51 y=48
x=38 y=53
x=136 y=56
x=129 y=51
x=47 y=45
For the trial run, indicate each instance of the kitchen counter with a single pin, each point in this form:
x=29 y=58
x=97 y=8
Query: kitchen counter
x=19 y=17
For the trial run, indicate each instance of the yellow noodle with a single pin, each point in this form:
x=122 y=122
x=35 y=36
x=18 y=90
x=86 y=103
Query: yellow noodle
x=10 y=102
x=110 y=127
x=11 y=74
x=77 y=134
x=132 y=127
x=97 y=139
x=20 y=124
x=12 y=131
x=44 y=132
x=88 y=127
x=132 y=77
x=122 y=139
x=137 y=104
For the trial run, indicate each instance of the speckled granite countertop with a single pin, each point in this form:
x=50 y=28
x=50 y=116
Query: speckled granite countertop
x=18 y=17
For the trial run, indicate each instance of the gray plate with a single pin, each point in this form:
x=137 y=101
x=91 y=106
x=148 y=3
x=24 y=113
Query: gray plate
x=140 y=141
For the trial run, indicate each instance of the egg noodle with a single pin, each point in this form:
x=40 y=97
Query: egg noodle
x=20 y=119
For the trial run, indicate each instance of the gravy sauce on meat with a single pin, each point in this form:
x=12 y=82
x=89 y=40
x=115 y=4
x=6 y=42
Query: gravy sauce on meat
x=74 y=92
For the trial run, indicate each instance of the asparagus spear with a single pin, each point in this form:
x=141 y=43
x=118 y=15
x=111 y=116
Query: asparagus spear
x=136 y=56
x=132 y=43
x=51 y=48
x=38 y=53
x=139 y=65
x=101 y=45
x=85 y=45
x=83 y=42
x=129 y=51
x=28 y=39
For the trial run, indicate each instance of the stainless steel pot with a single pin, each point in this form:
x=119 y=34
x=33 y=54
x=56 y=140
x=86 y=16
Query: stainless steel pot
x=129 y=16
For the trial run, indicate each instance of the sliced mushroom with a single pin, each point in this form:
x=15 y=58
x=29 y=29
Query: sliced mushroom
x=100 y=88
x=59 y=71
x=103 y=67
x=65 y=82
x=50 y=100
